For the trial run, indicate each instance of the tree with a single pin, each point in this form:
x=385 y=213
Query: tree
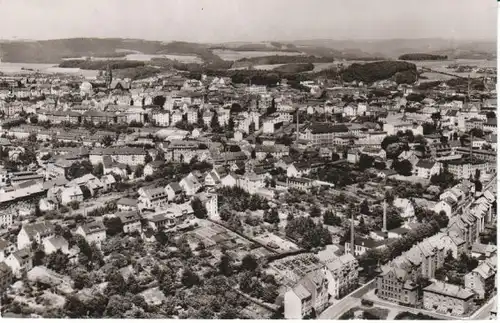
x=148 y=159
x=476 y=132
x=388 y=140
x=32 y=137
x=107 y=141
x=249 y=263
x=230 y=124
x=113 y=226
x=364 y=208
x=139 y=171
x=34 y=119
x=57 y=261
x=403 y=167
x=214 y=122
x=365 y=161
x=225 y=266
x=38 y=258
x=315 y=212
x=198 y=208
x=331 y=219
x=116 y=283
x=271 y=216
x=98 y=170
x=253 y=154
x=189 y=278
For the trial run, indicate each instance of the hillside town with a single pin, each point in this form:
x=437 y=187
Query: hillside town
x=199 y=197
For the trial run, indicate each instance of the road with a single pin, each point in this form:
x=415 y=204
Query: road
x=341 y=306
x=484 y=312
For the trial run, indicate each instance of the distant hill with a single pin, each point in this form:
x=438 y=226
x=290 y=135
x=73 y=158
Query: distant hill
x=394 y=48
x=53 y=51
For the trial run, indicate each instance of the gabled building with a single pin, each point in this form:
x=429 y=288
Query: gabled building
x=308 y=297
x=34 y=232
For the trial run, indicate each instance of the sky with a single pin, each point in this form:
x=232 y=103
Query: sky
x=249 y=20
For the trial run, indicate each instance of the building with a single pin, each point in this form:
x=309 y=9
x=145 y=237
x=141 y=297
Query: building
x=308 y=297
x=93 y=232
x=425 y=169
x=323 y=133
x=446 y=298
x=55 y=243
x=20 y=262
x=396 y=285
x=6 y=277
x=131 y=221
x=342 y=275
x=152 y=197
x=481 y=280
x=34 y=232
x=362 y=245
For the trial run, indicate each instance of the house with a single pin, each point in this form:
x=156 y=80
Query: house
x=20 y=262
x=230 y=180
x=55 y=243
x=308 y=297
x=446 y=206
x=93 y=232
x=34 y=232
x=152 y=197
x=425 y=169
x=483 y=251
x=407 y=209
x=446 y=298
x=71 y=194
x=481 y=279
x=362 y=245
x=298 y=170
x=173 y=190
x=342 y=275
x=126 y=204
x=131 y=221
x=190 y=184
x=210 y=201
x=152 y=167
x=108 y=182
x=6 y=277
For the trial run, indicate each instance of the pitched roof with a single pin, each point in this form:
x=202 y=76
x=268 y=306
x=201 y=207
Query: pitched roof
x=42 y=228
x=450 y=290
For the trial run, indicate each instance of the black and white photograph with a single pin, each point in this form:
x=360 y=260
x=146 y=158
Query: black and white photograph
x=248 y=159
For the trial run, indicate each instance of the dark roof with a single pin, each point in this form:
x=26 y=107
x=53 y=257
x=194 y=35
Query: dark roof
x=327 y=128
x=425 y=164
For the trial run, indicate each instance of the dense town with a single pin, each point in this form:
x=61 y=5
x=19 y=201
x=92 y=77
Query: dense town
x=182 y=196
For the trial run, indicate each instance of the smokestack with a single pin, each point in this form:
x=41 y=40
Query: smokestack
x=297 y=140
x=352 y=236
x=384 y=219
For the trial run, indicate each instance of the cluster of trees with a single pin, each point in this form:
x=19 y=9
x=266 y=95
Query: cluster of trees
x=376 y=71
x=339 y=175
x=281 y=59
x=307 y=233
x=444 y=179
x=294 y=68
x=422 y=57
x=454 y=270
x=101 y=65
x=78 y=169
x=372 y=258
x=239 y=200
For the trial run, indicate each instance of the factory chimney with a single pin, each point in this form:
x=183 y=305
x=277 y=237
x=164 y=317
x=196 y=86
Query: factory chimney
x=384 y=219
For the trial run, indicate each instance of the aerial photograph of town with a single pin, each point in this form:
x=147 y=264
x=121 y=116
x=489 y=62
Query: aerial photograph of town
x=248 y=159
